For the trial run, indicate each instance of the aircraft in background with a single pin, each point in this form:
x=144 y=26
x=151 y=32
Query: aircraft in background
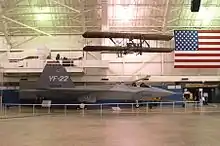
x=55 y=84
x=131 y=43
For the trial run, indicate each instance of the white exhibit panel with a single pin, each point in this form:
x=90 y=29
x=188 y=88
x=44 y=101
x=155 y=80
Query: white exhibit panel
x=169 y=70
x=132 y=64
x=168 y=57
x=178 y=78
x=93 y=56
x=3 y=44
x=142 y=69
x=3 y=57
x=145 y=57
x=95 y=72
x=95 y=63
x=92 y=41
x=115 y=69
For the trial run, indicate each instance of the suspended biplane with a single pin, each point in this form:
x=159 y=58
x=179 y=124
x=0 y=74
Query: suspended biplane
x=130 y=43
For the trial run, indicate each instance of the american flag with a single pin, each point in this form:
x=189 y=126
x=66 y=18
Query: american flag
x=197 y=49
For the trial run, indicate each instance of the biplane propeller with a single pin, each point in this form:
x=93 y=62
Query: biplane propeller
x=130 y=46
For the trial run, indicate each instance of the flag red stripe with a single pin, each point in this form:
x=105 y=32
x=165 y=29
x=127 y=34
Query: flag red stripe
x=197 y=66
x=197 y=60
x=197 y=55
x=209 y=49
x=208 y=37
x=209 y=43
x=208 y=31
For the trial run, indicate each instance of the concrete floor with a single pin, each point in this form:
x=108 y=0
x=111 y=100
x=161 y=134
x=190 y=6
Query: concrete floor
x=198 y=129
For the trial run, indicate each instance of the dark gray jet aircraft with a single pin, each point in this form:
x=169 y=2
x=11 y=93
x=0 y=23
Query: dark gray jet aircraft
x=55 y=83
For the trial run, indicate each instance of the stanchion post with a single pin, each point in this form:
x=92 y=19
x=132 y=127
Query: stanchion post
x=49 y=111
x=147 y=107
x=2 y=84
x=83 y=112
x=173 y=106
x=161 y=106
x=5 y=109
x=33 y=109
x=201 y=106
x=101 y=109
x=65 y=109
x=1 y=103
x=19 y=108
x=132 y=107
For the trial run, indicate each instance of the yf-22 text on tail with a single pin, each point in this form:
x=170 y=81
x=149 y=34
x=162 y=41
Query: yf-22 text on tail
x=58 y=78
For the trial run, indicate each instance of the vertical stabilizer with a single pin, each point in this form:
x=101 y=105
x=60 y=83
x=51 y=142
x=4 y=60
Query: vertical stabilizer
x=54 y=75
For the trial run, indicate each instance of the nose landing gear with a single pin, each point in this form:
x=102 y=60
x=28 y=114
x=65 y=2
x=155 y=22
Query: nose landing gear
x=81 y=106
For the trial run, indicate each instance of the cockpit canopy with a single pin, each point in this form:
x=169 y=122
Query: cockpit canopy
x=141 y=85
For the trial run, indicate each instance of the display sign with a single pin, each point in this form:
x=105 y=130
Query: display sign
x=46 y=103
x=9 y=87
x=199 y=85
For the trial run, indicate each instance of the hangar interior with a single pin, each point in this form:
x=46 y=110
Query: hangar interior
x=38 y=27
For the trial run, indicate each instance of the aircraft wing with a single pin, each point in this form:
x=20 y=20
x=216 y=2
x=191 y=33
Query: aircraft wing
x=156 y=92
x=96 y=89
x=81 y=91
x=94 y=34
x=93 y=88
x=118 y=48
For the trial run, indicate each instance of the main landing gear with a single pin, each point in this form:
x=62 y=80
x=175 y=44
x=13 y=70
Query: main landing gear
x=81 y=106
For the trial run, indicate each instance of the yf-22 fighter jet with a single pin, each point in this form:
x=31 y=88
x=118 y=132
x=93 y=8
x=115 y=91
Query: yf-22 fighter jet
x=55 y=83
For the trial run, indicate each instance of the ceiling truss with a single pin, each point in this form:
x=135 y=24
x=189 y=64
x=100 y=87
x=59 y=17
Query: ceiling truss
x=70 y=17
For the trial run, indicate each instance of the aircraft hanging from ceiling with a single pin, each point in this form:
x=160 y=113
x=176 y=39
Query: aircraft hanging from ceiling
x=131 y=43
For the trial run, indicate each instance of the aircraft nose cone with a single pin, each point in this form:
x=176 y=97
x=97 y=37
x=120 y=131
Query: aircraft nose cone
x=164 y=93
x=168 y=93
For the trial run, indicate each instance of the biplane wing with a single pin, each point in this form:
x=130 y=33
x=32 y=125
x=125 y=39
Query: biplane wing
x=120 y=48
x=94 y=34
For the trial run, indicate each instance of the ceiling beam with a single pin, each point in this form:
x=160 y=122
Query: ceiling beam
x=22 y=24
x=66 y=6
x=76 y=26
x=165 y=16
x=6 y=33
